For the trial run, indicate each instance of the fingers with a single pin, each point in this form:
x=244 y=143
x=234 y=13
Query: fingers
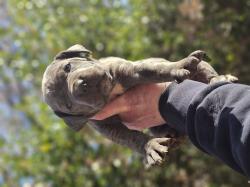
x=117 y=106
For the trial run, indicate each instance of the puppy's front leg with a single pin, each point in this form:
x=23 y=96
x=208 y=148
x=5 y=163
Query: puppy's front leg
x=154 y=150
x=153 y=70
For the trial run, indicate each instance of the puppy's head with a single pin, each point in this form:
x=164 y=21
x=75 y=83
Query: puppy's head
x=75 y=86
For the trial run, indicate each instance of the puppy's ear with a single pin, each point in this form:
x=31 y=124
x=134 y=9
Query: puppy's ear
x=75 y=122
x=74 y=51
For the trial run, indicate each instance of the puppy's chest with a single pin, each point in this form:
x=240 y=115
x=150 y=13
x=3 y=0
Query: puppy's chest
x=117 y=90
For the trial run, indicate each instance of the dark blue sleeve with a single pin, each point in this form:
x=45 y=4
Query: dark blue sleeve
x=215 y=117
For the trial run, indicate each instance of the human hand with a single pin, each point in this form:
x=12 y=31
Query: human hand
x=137 y=108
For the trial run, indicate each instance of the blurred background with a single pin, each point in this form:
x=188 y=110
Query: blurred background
x=37 y=149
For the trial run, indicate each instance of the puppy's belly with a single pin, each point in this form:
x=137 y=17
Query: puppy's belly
x=116 y=91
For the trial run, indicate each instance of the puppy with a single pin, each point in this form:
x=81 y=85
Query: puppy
x=77 y=86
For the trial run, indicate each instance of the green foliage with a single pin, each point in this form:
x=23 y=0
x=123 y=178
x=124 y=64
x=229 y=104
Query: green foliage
x=39 y=148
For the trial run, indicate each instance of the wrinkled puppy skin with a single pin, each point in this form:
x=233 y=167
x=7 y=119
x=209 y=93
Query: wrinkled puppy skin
x=76 y=86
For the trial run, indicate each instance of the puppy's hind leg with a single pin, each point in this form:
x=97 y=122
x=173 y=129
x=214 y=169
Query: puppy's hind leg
x=226 y=78
x=154 y=150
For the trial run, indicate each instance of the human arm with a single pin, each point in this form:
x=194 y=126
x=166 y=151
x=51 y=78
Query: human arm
x=215 y=117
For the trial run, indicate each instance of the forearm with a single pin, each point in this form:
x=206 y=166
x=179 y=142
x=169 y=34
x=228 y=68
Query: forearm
x=216 y=118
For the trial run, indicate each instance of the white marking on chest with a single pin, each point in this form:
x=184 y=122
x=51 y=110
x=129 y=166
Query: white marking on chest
x=116 y=91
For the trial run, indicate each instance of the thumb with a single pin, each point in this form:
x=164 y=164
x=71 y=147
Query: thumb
x=116 y=106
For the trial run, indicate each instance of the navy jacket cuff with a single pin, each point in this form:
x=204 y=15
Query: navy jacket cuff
x=175 y=101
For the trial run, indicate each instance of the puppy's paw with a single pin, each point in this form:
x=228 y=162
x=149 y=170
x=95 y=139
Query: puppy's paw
x=156 y=151
x=201 y=55
x=180 y=74
x=190 y=63
x=224 y=78
x=231 y=78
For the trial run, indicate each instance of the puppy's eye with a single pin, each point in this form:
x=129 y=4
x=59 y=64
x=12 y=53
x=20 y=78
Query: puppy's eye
x=67 y=68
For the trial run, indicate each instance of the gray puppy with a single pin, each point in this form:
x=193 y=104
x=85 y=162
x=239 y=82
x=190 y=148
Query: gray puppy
x=77 y=86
